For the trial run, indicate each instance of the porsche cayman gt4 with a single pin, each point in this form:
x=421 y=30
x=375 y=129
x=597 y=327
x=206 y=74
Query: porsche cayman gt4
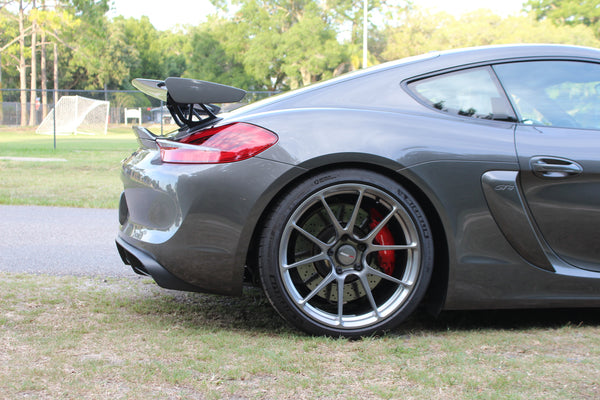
x=466 y=179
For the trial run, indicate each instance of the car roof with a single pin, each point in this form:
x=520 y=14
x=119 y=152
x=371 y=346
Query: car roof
x=441 y=60
x=519 y=51
x=493 y=53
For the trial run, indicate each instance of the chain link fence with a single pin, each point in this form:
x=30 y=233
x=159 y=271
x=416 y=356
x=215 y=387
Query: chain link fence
x=126 y=106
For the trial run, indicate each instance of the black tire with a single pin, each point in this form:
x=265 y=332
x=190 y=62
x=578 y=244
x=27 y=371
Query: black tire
x=350 y=234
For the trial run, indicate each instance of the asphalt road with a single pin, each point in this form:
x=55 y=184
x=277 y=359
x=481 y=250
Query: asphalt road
x=60 y=241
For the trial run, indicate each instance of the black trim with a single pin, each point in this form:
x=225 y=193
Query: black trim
x=144 y=264
x=189 y=116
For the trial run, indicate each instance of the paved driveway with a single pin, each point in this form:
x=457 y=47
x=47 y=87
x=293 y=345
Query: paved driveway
x=60 y=241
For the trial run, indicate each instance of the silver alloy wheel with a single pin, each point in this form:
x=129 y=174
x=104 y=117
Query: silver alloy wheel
x=349 y=256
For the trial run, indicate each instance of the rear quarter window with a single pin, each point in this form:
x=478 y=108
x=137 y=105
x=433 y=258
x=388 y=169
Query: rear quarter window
x=471 y=93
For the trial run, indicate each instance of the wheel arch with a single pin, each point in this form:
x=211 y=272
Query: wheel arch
x=436 y=292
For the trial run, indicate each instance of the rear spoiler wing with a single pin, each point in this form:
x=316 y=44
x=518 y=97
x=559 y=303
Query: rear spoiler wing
x=189 y=100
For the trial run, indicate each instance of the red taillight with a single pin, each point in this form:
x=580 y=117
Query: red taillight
x=228 y=143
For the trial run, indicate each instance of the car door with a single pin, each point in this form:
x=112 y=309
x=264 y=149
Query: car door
x=558 y=147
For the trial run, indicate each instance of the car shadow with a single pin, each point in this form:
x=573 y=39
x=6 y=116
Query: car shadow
x=513 y=319
x=252 y=312
x=249 y=312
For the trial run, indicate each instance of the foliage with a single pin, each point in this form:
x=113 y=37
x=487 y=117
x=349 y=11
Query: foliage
x=421 y=32
x=570 y=12
x=10 y=53
x=283 y=43
x=105 y=60
x=349 y=13
x=209 y=58
x=172 y=54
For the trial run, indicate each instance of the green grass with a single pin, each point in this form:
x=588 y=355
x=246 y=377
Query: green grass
x=89 y=177
x=89 y=338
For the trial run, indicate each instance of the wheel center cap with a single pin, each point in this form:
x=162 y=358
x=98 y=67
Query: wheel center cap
x=346 y=255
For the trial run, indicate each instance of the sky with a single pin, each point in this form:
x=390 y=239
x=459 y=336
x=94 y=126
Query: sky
x=166 y=15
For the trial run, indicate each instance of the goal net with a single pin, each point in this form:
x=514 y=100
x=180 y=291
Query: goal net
x=76 y=114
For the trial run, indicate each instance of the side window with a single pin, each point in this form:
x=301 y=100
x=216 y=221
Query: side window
x=554 y=93
x=471 y=93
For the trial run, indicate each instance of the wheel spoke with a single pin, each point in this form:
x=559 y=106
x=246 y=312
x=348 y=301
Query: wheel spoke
x=340 y=308
x=390 y=278
x=334 y=220
x=371 y=236
x=326 y=281
x=365 y=283
x=350 y=226
x=309 y=260
x=322 y=245
x=377 y=247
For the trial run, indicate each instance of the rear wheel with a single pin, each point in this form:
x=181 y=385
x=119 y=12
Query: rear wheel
x=346 y=253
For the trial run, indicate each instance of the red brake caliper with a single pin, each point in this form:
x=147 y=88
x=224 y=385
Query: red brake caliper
x=386 y=258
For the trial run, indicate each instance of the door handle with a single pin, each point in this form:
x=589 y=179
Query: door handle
x=554 y=167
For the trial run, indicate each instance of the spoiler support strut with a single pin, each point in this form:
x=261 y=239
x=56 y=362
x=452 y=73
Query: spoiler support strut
x=189 y=100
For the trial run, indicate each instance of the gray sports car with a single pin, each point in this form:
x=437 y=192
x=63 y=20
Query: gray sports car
x=465 y=179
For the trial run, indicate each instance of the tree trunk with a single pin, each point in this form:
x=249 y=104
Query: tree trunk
x=55 y=95
x=22 y=65
x=43 y=72
x=44 y=77
x=33 y=93
x=1 y=99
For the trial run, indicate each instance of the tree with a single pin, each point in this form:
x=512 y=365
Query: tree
x=282 y=43
x=100 y=55
x=54 y=23
x=208 y=59
x=58 y=23
x=33 y=74
x=43 y=69
x=421 y=32
x=173 y=47
x=312 y=52
x=349 y=16
x=143 y=38
x=417 y=32
x=9 y=50
x=567 y=12
x=22 y=64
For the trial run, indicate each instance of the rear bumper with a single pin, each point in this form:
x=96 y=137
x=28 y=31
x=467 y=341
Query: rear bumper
x=193 y=224
x=144 y=264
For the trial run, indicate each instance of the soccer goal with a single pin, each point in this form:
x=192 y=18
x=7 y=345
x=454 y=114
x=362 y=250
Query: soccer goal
x=76 y=114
